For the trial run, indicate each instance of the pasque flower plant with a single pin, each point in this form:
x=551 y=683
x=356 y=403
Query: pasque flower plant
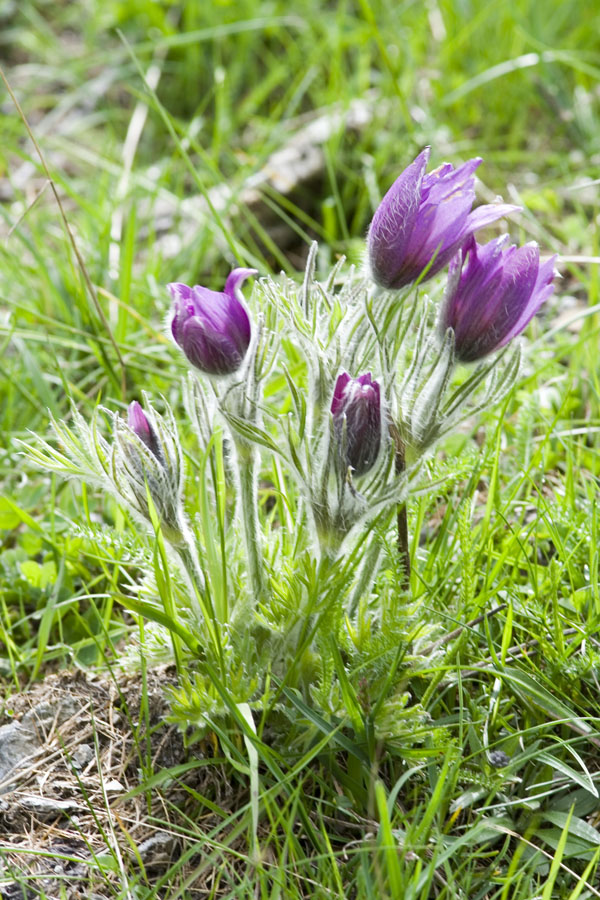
x=492 y=294
x=139 y=424
x=356 y=411
x=333 y=381
x=423 y=220
x=148 y=460
x=212 y=328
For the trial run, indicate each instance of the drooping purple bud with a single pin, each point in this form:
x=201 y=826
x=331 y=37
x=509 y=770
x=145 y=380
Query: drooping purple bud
x=425 y=217
x=139 y=424
x=213 y=329
x=356 y=411
x=493 y=292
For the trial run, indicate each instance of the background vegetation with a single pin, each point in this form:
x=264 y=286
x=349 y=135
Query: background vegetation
x=182 y=138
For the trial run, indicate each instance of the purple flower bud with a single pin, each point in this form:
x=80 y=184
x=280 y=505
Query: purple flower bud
x=139 y=424
x=493 y=292
x=425 y=217
x=356 y=403
x=213 y=329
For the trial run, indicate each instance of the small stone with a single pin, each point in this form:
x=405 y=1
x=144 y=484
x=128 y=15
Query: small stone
x=113 y=786
x=157 y=848
x=45 y=808
x=498 y=758
x=82 y=755
x=18 y=745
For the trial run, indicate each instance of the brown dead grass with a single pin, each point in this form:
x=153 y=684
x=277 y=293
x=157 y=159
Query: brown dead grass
x=71 y=822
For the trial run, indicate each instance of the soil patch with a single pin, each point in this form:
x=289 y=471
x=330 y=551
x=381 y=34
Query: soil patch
x=97 y=788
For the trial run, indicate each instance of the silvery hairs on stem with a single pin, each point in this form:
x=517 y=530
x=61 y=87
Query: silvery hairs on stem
x=428 y=405
x=327 y=322
x=127 y=467
x=231 y=356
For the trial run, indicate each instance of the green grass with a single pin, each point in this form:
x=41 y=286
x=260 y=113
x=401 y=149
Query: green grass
x=338 y=810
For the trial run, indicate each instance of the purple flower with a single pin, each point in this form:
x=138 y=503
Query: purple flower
x=139 y=424
x=356 y=405
x=213 y=329
x=493 y=292
x=425 y=217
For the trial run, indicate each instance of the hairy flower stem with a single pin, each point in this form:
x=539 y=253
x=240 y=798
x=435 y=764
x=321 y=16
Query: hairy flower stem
x=367 y=575
x=189 y=558
x=199 y=599
x=248 y=508
x=402 y=514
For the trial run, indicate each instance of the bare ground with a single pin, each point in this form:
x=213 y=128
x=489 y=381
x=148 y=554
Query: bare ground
x=74 y=819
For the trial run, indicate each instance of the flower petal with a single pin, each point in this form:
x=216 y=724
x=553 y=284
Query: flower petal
x=542 y=291
x=212 y=328
x=500 y=288
x=393 y=222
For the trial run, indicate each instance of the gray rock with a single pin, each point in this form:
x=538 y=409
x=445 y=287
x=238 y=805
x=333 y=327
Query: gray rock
x=82 y=755
x=45 y=808
x=19 y=744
